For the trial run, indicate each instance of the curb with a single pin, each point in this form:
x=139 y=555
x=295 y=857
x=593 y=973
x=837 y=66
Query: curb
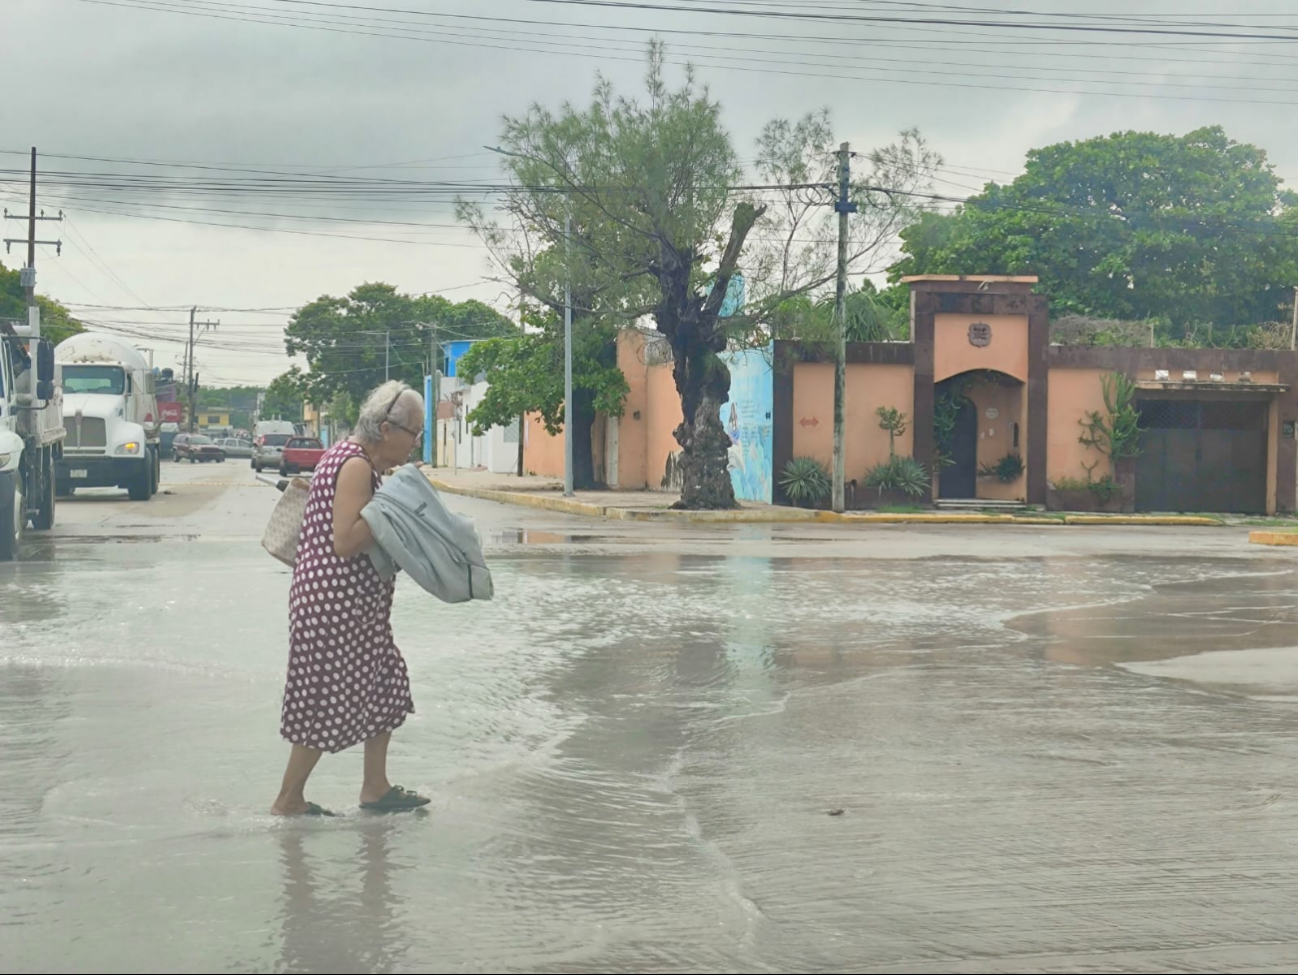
x=793 y=516
x=1273 y=538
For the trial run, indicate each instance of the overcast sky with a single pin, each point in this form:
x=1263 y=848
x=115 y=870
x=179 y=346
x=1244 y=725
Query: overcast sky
x=201 y=82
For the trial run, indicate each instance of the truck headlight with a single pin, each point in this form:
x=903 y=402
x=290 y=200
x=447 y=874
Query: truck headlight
x=4 y=459
x=129 y=448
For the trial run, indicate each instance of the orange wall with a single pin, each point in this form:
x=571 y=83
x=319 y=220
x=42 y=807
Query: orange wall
x=542 y=453
x=1073 y=393
x=633 y=427
x=1008 y=352
x=868 y=388
x=663 y=416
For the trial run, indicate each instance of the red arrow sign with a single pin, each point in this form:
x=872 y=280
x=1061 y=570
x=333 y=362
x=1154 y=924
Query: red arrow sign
x=813 y=422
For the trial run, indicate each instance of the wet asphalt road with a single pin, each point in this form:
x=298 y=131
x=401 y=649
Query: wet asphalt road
x=1055 y=750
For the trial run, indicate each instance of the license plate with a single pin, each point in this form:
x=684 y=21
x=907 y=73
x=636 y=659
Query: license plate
x=81 y=475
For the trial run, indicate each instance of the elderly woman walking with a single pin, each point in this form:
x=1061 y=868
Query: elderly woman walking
x=347 y=681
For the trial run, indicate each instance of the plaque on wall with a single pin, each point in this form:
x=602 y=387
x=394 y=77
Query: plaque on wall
x=980 y=335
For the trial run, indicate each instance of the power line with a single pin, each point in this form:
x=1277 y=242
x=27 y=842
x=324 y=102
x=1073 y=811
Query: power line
x=227 y=11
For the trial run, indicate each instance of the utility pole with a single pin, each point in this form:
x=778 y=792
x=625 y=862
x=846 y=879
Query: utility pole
x=567 y=354
x=191 y=378
x=28 y=276
x=844 y=206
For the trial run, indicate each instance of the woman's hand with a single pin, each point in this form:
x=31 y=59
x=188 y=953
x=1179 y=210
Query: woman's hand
x=352 y=534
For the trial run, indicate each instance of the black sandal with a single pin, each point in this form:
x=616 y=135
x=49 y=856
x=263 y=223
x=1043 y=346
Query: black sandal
x=315 y=810
x=397 y=800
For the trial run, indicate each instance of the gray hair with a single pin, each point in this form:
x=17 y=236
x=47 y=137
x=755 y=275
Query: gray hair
x=393 y=401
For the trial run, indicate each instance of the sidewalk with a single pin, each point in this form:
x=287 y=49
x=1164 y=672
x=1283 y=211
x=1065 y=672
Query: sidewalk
x=547 y=494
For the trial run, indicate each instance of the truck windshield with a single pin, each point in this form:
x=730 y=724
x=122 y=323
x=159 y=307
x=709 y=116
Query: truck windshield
x=108 y=380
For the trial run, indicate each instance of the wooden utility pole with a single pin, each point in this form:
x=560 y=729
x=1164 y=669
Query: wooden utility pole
x=28 y=276
x=191 y=377
x=844 y=206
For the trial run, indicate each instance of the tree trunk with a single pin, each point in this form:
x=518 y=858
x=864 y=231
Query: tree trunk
x=703 y=382
x=692 y=324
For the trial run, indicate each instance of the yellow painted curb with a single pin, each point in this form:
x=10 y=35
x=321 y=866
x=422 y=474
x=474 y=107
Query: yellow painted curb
x=787 y=516
x=1273 y=538
x=924 y=518
x=1155 y=521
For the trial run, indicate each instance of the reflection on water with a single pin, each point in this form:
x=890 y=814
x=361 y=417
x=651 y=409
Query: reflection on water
x=633 y=758
x=336 y=920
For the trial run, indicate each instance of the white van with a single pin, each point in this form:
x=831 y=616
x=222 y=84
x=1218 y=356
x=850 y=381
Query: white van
x=282 y=427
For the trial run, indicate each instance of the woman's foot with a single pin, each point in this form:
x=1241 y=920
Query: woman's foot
x=298 y=808
x=396 y=799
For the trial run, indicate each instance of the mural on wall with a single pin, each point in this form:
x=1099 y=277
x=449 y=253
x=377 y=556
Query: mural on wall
x=747 y=419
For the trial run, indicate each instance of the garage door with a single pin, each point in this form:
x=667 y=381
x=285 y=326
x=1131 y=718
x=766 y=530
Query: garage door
x=1202 y=456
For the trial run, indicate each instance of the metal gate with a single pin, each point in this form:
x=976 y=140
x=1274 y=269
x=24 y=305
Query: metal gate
x=959 y=480
x=1202 y=455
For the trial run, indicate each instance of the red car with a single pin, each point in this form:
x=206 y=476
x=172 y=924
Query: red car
x=300 y=454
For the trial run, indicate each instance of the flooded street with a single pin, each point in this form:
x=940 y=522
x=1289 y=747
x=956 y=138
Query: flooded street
x=662 y=749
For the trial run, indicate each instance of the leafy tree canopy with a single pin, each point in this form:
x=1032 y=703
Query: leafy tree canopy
x=57 y=322
x=350 y=343
x=1134 y=226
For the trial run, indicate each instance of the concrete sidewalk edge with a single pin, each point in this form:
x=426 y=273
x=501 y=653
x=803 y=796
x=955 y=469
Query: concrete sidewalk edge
x=780 y=516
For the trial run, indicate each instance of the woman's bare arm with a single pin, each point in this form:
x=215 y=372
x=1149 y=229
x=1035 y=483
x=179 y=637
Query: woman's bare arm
x=352 y=534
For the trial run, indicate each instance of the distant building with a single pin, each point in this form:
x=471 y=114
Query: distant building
x=213 y=420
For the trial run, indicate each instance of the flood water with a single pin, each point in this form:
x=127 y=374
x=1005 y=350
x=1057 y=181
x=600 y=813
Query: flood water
x=635 y=758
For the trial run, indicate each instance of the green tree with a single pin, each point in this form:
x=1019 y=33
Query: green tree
x=351 y=343
x=658 y=229
x=284 y=396
x=57 y=322
x=526 y=375
x=1134 y=226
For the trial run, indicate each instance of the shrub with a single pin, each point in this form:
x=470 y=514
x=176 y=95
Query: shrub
x=1006 y=470
x=904 y=474
x=806 y=481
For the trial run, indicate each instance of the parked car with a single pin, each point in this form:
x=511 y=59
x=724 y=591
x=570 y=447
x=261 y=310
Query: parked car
x=234 y=447
x=268 y=450
x=300 y=454
x=196 y=448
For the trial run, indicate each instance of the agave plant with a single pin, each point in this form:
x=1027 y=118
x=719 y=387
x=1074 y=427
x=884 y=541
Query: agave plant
x=903 y=474
x=806 y=481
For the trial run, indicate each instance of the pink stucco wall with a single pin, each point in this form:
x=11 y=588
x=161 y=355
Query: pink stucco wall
x=868 y=388
x=1073 y=393
x=953 y=353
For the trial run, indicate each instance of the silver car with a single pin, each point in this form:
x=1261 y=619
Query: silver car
x=268 y=450
x=234 y=447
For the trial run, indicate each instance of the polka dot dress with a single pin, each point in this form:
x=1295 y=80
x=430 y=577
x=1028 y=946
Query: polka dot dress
x=347 y=681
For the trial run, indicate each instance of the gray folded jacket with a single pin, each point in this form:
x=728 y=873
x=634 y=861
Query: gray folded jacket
x=415 y=531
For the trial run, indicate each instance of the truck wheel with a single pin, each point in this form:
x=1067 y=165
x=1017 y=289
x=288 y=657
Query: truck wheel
x=43 y=520
x=13 y=515
x=138 y=486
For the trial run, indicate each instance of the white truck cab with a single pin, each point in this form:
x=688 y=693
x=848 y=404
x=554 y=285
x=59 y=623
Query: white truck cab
x=111 y=415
